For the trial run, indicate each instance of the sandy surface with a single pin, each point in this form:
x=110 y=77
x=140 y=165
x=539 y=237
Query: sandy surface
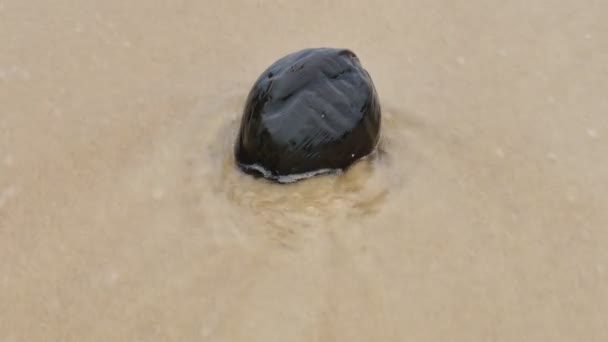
x=122 y=217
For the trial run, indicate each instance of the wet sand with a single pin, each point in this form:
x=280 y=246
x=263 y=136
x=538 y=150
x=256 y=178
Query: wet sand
x=123 y=218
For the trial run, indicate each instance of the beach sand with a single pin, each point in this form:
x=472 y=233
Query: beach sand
x=483 y=218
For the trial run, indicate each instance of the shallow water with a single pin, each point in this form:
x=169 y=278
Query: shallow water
x=483 y=216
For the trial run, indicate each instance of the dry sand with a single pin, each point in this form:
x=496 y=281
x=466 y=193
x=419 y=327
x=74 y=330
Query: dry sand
x=122 y=217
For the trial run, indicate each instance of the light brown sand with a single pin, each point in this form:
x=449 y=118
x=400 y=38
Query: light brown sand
x=123 y=219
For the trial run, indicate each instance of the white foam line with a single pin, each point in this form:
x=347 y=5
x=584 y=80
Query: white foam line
x=289 y=178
